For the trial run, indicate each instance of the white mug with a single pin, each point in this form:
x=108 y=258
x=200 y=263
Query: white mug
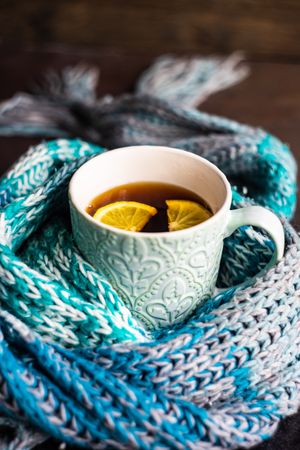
x=162 y=277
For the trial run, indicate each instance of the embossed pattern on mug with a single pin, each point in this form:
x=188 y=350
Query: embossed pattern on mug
x=159 y=287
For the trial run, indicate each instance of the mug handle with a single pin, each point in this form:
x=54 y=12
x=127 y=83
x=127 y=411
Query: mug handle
x=262 y=218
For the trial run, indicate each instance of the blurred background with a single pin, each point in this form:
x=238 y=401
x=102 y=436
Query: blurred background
x=267 y=30
x=121 y=38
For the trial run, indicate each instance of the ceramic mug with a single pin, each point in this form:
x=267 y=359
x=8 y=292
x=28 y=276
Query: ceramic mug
x=162 y=277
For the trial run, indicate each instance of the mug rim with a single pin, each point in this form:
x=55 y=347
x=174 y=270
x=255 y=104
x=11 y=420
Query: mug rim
x=225 y=206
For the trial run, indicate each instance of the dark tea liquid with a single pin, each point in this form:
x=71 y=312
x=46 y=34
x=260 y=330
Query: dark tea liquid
x=151 y=193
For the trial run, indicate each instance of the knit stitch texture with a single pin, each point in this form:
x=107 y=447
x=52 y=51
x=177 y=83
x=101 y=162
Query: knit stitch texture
x=74 y=363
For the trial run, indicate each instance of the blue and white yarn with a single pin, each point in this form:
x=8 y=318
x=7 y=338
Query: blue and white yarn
x=74 y=362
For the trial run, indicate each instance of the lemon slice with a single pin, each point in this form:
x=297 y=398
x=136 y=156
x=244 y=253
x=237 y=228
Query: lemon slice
x=185 y=214
x=130 y=216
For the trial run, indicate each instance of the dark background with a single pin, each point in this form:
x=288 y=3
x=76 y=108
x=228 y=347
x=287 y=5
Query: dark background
x=266 y=29
x=121 y=37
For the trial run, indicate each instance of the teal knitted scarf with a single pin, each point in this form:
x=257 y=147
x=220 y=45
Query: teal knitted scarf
x=68 y=369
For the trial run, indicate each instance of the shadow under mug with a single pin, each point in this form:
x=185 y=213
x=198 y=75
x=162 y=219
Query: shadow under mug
x=162 y=277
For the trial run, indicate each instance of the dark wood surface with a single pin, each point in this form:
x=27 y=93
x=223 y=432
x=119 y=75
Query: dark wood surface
x=269 y=98
x=264 y=28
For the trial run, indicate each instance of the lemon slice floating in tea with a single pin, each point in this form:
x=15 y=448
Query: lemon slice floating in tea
x=130 y=216
x=185 y=214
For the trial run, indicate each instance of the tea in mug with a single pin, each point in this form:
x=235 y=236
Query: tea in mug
x=150 y=207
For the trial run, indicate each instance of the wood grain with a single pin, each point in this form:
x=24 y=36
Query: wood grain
x=263 y=28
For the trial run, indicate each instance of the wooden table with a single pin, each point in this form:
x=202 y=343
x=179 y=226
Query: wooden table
x=269 y=98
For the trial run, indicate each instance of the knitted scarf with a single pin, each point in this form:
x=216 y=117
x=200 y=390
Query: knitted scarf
x=74 y=363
